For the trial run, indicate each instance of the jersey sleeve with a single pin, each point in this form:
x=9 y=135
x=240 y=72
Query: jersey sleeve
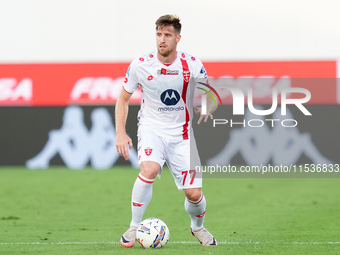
x=131 y=83
x=200 y=72
x=201 y=77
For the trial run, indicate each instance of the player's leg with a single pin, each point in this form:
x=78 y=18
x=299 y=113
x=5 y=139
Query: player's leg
x=182 y=159
x=151 y=160
x=195 y=205
x=142 y=190
x=141 y=197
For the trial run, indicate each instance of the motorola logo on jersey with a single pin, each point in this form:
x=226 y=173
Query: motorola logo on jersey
x=170 y=97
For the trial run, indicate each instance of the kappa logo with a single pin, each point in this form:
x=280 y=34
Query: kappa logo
x=164 y=71
x=170 y=97
x=148 y=151
x=186 y=76
x=277 y=145
x=96 y=145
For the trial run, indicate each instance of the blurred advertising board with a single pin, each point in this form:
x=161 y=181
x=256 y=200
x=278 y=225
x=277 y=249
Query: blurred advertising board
x=79 y=136
x=51 y=109
x=100 y=83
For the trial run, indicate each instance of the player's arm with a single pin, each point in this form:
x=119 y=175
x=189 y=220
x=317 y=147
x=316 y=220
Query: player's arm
x=122 y=139
x=211 y=107
x=202 y=76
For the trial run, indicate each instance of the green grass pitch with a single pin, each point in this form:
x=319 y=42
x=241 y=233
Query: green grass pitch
x=61 y=211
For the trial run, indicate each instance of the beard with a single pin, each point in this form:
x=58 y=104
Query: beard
x=164 y=52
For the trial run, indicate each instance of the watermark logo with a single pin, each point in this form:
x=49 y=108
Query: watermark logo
x=239 y=103
x=204 y=96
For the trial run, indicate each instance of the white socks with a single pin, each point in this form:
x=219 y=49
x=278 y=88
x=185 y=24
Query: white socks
x=141 y=196
x=196 y=210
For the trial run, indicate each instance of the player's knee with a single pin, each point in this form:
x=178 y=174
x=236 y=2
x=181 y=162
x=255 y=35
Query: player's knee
x=149 y=173
x=149 y=169
x=193 y=194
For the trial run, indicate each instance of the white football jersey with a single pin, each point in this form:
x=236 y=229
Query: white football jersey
x=167 y=102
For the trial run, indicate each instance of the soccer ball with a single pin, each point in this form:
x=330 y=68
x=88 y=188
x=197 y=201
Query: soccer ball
x=152 y=233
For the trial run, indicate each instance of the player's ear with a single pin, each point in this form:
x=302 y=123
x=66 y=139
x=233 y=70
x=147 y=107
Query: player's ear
x=178 y=38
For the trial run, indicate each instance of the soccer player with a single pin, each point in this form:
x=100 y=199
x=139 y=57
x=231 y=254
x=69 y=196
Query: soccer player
x=167 y=80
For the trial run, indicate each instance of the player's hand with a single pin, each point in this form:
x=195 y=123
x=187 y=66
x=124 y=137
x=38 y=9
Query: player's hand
x=122 y=143
x=205 y=117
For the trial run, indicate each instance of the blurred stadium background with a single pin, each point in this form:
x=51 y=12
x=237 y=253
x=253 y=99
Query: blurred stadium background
x=62 y=64
x=56 y=54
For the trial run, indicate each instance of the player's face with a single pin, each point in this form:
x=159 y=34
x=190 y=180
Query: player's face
x=167 y=39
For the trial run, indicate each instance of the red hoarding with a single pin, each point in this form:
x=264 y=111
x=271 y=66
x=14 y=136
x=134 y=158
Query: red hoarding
x=100 y=83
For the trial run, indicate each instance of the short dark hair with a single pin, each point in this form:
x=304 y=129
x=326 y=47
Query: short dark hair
x=169 y=20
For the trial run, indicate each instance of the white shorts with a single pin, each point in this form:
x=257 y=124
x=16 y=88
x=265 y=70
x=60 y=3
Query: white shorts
x=181 y=157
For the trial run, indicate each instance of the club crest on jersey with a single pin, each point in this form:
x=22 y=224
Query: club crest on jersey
x=164 y=71
x=186 y=76
x=148 y=151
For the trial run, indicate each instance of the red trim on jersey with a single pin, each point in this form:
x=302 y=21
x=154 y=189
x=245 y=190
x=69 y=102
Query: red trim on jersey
x=197 y=202
x=167 y=64
x=184 y=97
x=201 y=215
x=136 y=204
x=126 y=90
x=144 y=180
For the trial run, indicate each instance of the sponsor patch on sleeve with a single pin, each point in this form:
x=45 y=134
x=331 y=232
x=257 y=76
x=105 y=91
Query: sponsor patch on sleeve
x=204 y=72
